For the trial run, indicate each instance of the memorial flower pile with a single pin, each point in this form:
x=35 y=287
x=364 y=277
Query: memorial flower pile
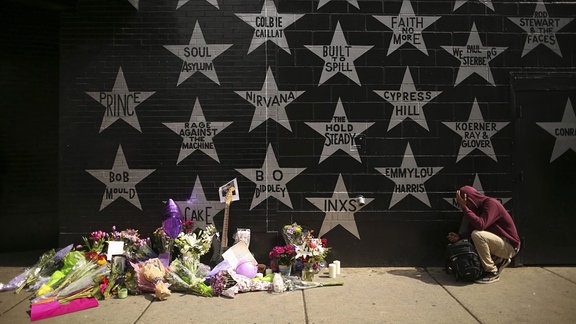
x=76 y=277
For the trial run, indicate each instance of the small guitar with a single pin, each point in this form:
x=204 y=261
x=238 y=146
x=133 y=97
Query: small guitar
x=223 y=246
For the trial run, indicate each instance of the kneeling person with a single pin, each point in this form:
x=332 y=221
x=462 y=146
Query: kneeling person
x=492 y=230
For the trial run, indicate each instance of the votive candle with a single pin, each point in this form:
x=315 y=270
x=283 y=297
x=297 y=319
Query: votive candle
x=337 y=264
x=332 y=270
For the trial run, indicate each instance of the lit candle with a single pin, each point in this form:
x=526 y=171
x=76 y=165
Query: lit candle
x=337 y=264
x=332 y=270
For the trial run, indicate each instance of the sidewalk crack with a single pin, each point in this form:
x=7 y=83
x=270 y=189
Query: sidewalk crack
x=453 y=297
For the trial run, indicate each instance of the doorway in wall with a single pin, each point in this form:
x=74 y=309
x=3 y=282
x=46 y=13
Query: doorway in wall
x=544 y=201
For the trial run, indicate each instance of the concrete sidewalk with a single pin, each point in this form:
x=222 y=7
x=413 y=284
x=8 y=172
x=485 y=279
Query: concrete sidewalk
x=369 y=295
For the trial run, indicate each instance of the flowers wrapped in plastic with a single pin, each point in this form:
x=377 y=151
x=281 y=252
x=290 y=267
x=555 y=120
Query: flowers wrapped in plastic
x=194 y=245
x=228 y=283
x=83 y=280
x=39 y=273
x=293 y=234
x=188 y=275
x=150 y=276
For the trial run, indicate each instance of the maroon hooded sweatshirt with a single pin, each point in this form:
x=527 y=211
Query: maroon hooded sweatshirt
x=491 y=216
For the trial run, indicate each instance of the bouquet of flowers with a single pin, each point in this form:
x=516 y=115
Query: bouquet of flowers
x=196 y=244
x=282 y=255
x=135 y=247
x=220 y=282
x=187 y=226
x=311 y=254
x=96 y=242
x=228 y=283
x=188 y=275
x=82 y=280
x=161 y=242
x=293 y=234
x=38 y=274
x=150 y=276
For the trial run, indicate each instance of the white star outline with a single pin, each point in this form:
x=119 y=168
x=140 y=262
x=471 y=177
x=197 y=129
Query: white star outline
x=403 y=176
x=120 y=181
x=467 y=68
x=206 y=131
x=269 y=11
x=120 y=92
x=270 y=175
x=532 y=32
x=270 y=103
x=356 y=128
x=563 y=142
x=406 y=34
x=339 y=42
x=199 y=205
x=207 y=53
x=407 y=87
x=345 y=207
x=484 y=136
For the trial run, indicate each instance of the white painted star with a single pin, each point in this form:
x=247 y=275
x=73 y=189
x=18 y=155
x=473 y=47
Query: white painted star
x=564 y=131
x=409 y=179
x=474 y=57
x=120 y=181
x=120 y=103
x=198 y=209
x=197 y=134
x=476 y=133
x=270 y=180
x=407 y=28
x=269 y=25
x=339 y=57
x=408 y=102
x=487 y=3
x=321 y=3
x=270 y=102
x=541 y=29
x=183 y=2
x=339 y=209
x=478 y=186
x=198 y=56
x=134 y=3
x=339 y=133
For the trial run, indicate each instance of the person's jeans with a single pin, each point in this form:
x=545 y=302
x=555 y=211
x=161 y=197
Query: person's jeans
x=490 y=245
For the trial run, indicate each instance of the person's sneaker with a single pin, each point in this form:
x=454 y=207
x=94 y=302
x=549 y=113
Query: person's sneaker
x=488 y=277
x=503 y=264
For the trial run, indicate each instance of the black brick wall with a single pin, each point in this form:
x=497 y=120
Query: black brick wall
x=100 y=37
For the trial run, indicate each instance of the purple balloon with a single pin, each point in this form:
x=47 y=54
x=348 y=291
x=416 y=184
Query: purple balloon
x=247 y=269
x=172 y=219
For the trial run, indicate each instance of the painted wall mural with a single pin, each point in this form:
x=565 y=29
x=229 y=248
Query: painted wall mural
x=309 y=104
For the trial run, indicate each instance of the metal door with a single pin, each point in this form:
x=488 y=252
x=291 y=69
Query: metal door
x=544 y=200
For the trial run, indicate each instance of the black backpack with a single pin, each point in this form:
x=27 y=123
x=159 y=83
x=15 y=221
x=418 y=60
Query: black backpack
x=463 y=261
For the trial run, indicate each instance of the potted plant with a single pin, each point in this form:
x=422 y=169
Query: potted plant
x=282 y=258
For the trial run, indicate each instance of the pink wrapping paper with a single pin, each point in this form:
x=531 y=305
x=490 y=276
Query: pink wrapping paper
x=50 y=309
